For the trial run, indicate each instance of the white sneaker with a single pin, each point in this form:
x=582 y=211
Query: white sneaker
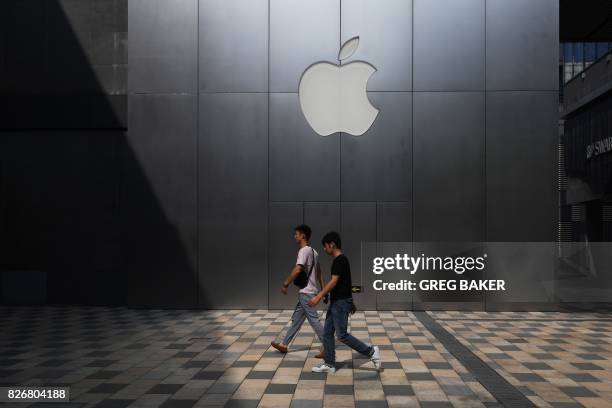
x=376 y=357
x=324 y=368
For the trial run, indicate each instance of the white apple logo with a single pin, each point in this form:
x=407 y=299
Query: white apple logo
x=333 y=97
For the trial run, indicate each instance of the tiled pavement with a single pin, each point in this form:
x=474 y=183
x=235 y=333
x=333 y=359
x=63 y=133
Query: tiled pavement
x=117 y=357
x=555 y=359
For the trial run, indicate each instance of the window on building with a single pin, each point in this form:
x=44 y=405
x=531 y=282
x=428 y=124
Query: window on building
x=577 y=56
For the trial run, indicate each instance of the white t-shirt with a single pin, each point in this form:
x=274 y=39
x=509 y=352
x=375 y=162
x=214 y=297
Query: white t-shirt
x=306 y=259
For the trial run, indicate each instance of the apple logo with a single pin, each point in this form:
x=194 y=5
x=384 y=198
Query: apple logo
x=333 y=97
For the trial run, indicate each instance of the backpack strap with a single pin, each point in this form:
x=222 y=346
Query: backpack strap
x=311 y=266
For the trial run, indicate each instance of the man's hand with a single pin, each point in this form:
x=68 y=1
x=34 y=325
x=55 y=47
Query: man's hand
x=314 y=300
x=294 y=274
x=325 y=291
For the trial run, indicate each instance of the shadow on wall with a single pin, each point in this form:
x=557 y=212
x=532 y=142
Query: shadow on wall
x=75 y=206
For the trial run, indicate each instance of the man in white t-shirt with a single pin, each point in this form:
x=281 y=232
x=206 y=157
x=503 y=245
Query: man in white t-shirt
x=307 y=270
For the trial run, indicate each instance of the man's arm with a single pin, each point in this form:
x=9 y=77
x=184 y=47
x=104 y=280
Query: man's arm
x=294 y=274
x=330 y=285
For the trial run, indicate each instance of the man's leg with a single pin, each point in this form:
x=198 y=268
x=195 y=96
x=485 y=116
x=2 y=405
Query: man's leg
x=328 y=338
x=341 y=324
x=329 y=365
x=312 y=315
x=296 y=322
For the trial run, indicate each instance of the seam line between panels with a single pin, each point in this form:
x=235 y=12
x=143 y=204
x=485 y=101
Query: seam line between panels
x=197 y=136
x=340 y=133
x=484 y=163
x=268 y=169
x=412 y=137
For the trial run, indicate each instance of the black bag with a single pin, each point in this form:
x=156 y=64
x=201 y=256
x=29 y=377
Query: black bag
x=302 y=279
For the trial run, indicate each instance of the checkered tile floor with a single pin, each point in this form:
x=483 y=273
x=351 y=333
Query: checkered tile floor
x=555 y=359
x=117 y=357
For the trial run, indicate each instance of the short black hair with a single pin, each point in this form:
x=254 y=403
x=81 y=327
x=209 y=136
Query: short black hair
x=304 y=229
x=330 y=237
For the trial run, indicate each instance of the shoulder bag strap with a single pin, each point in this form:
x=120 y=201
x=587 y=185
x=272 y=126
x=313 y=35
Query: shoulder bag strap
x=313 y=262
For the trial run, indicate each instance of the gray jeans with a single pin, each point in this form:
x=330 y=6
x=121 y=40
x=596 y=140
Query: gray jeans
x=304 y=311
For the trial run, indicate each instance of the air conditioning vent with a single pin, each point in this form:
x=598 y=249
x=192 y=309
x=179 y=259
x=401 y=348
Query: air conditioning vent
x=578 y=212
x=565 y=232
x=561 y=175
x=606 y=212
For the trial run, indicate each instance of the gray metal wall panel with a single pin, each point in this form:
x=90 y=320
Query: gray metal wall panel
x=24 y=49
x=109 y=15
x=233 y=45
x=301 y=33
x=159 y=200
x=394 y=221
x=68 y=45
x=303 y=165
x=283 y=251
x=233 y=212
x=448 y=166
x=377 y=166
x=522 y=45
x=384 y=28
x=163 y=46
x=69 y=179
x=521 y=162
x=359 y=225
x=394 y=224
x=322 y=218
x=449 y=45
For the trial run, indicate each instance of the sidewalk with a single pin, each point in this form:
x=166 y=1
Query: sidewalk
x=117 y=357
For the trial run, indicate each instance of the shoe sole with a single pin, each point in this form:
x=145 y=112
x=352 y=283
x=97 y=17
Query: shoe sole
x=278 y=349
x=324 y=371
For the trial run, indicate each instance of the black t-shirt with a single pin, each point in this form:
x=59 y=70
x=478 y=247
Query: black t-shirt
x=341 y=267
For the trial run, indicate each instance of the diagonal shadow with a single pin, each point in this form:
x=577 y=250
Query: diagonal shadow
x=75 y=203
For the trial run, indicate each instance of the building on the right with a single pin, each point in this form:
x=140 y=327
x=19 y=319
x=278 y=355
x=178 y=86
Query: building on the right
x=586 y=142
x=583 y=280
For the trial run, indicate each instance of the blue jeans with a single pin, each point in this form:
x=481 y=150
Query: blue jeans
x=336 y=321
x=304 y=311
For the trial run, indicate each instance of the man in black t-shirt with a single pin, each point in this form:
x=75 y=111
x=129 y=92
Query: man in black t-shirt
x=340 y=306
x=341 y=268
